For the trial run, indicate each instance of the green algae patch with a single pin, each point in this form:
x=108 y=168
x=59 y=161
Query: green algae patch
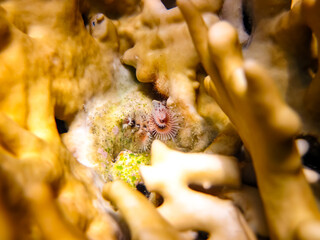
x=126 y=167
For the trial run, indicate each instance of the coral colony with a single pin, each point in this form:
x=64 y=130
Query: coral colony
x=233 y=152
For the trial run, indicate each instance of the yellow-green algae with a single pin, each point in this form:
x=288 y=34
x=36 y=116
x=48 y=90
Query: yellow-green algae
x=126 y=167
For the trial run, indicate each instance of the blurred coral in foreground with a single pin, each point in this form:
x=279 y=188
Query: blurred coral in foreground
x=231 y=88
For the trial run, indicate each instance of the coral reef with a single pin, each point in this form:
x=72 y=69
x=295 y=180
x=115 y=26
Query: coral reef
x=198 y=106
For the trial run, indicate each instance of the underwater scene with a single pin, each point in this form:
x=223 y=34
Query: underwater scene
x=159 y=119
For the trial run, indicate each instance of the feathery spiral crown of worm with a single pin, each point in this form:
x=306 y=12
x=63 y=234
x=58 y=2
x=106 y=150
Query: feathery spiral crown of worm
x=163 y=123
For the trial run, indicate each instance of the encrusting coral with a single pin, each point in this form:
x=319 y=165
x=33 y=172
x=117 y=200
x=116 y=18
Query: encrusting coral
x=66 y=59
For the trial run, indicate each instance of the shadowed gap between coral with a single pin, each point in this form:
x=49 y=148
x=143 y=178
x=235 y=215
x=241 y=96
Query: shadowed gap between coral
x=169 y=3
x=61 y=126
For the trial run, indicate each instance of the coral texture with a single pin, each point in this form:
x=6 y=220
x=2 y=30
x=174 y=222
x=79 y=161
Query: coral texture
x=224 y=221
x=163 y=54
x=227 y=86
x=276 y=160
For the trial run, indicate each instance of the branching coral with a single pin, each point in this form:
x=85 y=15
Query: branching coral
x=39 y=174
x=160 y=56
x=141 y=227
x=186 y=209
x=265 y=123
x=48 y=71
x=281 y=41
x=248 y=200
x=163 y=54
x=60 y=57
x=41 y=48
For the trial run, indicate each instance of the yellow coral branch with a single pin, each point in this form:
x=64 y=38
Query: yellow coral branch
x=34 y=169
x=144 y=221
x=187 y=209
x=266 y=125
